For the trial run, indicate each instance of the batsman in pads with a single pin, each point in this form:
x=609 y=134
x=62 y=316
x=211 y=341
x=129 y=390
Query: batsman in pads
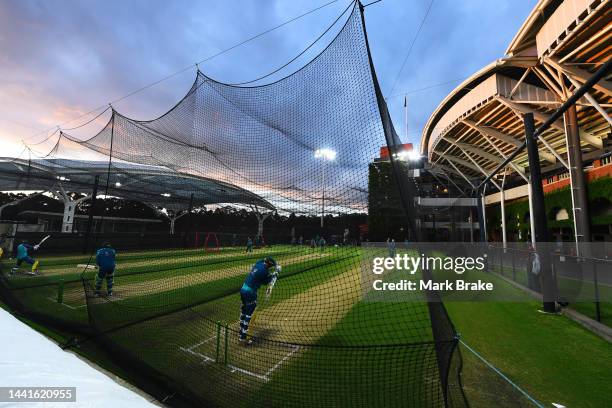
x=264 y=272
x=105 y=259
x=24 y=254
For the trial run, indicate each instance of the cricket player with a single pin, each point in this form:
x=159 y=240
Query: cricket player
x=23 y=255
x=105 y=259
x=249 y=247
x=391 y=247
x=260 y=275
x=322 y=243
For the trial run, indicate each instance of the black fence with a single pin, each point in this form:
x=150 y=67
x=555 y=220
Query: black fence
x=581 y=283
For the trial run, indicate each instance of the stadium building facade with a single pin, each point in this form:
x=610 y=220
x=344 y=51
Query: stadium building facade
x=480 y=123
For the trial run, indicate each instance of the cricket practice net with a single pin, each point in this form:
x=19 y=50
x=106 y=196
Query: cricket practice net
x=292 y=160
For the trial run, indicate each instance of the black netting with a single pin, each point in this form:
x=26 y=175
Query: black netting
x=249 y=163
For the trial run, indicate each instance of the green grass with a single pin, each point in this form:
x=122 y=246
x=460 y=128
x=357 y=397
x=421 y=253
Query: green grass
x=553 y=358
x=583 y=291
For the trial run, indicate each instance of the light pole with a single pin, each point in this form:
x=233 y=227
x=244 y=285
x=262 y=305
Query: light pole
x=326 y=155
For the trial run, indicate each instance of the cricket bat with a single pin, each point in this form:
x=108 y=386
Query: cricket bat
x=43 y=240
x=87 y=266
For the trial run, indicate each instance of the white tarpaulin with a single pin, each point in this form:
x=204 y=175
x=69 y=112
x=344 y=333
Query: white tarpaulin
x=29 y=359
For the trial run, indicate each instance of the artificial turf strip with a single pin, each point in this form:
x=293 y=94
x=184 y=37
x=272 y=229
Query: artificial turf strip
x=157 y=341
x=53 y=260
x=290 y=284
x=112 y=314
x=353 y=367
x=41 y=298
x=165 y=269
x=551 y=357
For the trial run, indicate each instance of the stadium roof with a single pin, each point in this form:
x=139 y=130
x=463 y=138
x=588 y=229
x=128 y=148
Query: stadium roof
x=556 y=50
x=153 y=185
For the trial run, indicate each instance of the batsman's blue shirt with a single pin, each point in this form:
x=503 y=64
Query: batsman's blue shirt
x=258 y=276
x=105 y=258
x=22 y=250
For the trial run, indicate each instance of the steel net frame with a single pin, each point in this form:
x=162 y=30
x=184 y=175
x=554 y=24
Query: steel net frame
x=317 y=343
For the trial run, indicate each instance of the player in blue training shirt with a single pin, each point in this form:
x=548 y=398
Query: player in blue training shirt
x=23 y=255
x=105 y=259
x=260 y=275
x=249 y=247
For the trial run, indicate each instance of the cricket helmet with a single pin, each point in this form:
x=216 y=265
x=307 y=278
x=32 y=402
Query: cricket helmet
x=270 y=261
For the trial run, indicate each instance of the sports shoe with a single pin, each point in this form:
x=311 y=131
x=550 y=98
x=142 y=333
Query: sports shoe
x=35 y=267
x=110 y=294
x=245 y=342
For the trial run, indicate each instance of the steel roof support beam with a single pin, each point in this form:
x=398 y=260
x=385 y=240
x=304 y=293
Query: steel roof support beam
x=484 y=133
x=592 y=100
x=520 y=81
x=581 y=75
x=554 y=152
x=458 y=171
x=542 y=117
x=494 y=133
x=465 y=163
x=70 y=206
x=516 y=168
x=476 y=150
x=451 y=180
x=480 y=168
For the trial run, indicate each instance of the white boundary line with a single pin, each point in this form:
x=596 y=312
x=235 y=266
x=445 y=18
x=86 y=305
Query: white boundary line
x=265 y=377
x=115 y=298
x=287 y=357
x=65 y=304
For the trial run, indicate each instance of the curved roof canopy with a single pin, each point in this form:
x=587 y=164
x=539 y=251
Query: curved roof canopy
x=153 y=185
x=556 y=50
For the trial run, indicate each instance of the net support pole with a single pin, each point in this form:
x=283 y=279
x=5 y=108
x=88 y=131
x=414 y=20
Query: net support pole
x=323 y=197
x=539 y=214
x=218 y=342
x=190 y=221
x=502 y=202
x=92 y=208
x=225 y=361
x=482 y=229
x=60 y=291
x=580 y=204
x=393 y=143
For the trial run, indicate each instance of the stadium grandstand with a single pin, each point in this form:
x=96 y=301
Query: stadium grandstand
x=477 y=125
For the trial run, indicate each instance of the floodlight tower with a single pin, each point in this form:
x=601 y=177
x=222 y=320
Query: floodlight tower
x=326 y=155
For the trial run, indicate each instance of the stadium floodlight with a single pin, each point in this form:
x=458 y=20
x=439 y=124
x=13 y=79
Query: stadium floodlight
x=117 y=184
x=166 y=194
x=408 y=155
x=413 y=155
x=326 y=155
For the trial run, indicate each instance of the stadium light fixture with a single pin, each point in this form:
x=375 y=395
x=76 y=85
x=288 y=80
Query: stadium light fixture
x=117 y=184
x=166 y=194
x=326 y=155
x=408 y=155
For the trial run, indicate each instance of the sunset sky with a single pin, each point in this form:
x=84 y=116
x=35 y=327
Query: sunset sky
x=61 y=59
